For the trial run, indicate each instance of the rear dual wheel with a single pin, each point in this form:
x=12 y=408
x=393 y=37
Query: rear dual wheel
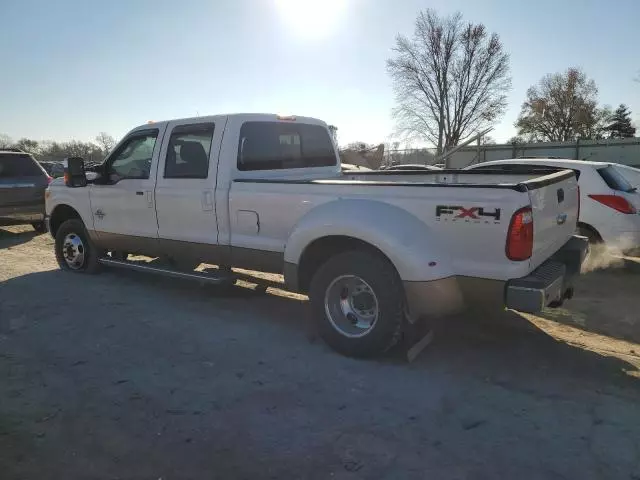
x=358 y=303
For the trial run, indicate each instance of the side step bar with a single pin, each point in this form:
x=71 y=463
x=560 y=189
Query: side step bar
x=167 y=272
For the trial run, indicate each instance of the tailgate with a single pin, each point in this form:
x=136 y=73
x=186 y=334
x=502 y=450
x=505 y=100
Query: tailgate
x=555 y=201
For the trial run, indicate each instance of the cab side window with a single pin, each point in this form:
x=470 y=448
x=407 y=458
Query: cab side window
x=280 y=146
x=133 y=159
x=188 y=151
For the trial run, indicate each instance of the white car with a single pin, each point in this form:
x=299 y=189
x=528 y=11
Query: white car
x=609 y=203
x=632 y=174
x=375 y=250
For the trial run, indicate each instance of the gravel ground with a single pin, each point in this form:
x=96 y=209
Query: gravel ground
x=123 y=375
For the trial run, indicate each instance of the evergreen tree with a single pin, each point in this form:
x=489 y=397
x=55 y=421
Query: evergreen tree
x=620 y=123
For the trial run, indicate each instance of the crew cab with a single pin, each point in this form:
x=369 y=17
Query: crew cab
x=375 y=251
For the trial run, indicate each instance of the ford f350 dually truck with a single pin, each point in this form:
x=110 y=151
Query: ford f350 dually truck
x=374 y=250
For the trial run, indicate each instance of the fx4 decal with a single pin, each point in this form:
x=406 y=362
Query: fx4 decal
x=475 y=214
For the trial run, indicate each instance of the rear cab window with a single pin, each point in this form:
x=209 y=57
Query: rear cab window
x=615 y=179
x=281 y=146
x=17 y=165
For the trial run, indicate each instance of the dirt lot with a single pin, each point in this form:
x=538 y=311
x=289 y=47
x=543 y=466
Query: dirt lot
x=127 y=376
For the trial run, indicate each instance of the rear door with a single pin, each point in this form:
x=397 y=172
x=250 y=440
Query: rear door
x=22 y=185
x=186 y=180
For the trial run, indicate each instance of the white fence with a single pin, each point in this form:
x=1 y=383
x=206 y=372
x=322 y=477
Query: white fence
x=625 y=151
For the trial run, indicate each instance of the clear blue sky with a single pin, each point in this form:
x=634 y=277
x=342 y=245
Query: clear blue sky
x=73 y=68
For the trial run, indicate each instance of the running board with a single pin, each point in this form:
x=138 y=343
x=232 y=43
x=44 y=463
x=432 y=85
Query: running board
x=167 y=272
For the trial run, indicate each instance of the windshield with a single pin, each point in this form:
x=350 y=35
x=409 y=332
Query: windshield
x=615 y=179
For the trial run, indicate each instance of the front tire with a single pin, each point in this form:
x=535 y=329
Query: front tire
x=74 y=250
x=358 y=303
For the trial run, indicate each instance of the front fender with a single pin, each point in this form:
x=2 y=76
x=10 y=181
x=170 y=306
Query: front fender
x=76 y=198
x=413 y=248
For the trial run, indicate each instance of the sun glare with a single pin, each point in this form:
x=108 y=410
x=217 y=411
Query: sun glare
x=311 y=18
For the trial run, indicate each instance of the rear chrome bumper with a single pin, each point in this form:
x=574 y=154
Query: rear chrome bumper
x=548 y=285
x=551 y=282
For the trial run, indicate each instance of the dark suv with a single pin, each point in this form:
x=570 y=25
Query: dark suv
x=22 y=185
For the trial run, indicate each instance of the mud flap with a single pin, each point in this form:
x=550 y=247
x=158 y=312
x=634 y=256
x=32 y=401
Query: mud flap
x=416 y=337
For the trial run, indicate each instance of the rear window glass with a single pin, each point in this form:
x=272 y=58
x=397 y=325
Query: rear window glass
x=615 y=179
x=12 y=166
x=278 y=146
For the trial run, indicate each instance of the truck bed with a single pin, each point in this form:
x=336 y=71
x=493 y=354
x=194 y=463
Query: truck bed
x=475 y=243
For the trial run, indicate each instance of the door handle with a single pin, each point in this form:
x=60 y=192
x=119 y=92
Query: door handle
x=207 y=201
x=140 y=193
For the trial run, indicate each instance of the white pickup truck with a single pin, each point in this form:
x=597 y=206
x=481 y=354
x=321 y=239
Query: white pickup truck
x=375 y=251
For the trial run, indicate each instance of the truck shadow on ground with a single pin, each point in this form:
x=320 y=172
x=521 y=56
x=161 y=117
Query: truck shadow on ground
x=512 y=352
x=606 y=302
x=9 y=238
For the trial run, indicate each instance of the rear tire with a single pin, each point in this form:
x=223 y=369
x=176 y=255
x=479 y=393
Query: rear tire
x=592 y=235
x=74 y=250
x=358 y=303
x=597 y=247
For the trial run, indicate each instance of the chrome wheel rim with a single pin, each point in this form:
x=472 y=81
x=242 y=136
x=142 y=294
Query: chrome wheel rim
x=351 y=306
x=73 y=251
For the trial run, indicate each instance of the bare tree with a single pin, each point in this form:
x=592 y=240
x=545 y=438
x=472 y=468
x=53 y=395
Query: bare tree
x=516 y=139
x=333 y=130
x=450 y=79
x=27 y=145
x=562 y=107
x=5 y=141
x=487 y=140
x=105 y=141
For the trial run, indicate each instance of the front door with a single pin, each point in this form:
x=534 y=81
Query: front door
x=186 y=179
x=123 y=206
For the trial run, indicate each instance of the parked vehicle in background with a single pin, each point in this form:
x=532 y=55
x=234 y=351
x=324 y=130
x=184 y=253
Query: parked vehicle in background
x=374 y=250
x=410 y=166
x=349 y=167
x=632 y=174
x=609 y=202
x=22 y=185
x=54 y=169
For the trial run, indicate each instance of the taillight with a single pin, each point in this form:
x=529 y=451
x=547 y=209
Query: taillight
x=520 y=235
x=49 y=179
x=579 y=201
x=620 y=204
